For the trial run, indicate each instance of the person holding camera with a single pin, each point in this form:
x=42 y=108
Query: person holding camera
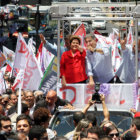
x=99 y=65
x=100 y=99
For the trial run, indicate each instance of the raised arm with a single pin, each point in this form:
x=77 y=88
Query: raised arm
x=105 y=109
x=123 y=43
x=90 y=103
x=50 y=47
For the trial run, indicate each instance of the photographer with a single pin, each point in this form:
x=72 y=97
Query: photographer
x=105 y=109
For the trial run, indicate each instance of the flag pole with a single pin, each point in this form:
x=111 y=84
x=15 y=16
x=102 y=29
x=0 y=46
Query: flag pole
x=19 y=96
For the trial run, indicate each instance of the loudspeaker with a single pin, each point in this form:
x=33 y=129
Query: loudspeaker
x=34 y=2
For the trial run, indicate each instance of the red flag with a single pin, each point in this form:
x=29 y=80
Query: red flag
x=8 y=68
x=81 y=32
x=39 y=50
x=96 y=32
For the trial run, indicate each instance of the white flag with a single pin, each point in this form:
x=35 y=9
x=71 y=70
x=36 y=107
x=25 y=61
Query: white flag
x=105 y=41
x=21 y=55
x=130 y=37
x=116 y=58
x=44 y=57
x=2 y=84
x=19 y=78
x=32 y=73
x=9 y=54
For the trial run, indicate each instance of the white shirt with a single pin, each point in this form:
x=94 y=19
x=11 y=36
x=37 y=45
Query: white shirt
x=138 y=138
x=32 y=111
x=100 y=66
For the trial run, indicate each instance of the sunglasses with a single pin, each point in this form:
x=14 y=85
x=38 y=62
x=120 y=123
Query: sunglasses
x=115 y=134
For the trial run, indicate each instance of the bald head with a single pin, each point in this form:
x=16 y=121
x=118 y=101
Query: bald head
x=51 y=97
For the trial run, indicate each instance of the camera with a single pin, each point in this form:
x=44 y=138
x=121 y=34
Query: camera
x=96 y=95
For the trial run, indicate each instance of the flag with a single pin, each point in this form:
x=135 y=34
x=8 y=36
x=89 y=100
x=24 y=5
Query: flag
x=96 y=32
x=81 y=32
x=44 y=57
x=17 y=82
x=105 y=41
x=116 y=31
x=19 y=96
x=49 y=80
x=2 y=59
x=2 y=83
x=10 y=56
x=21 y=55
x=130 y=37
x=32 y=72
x=116 y=58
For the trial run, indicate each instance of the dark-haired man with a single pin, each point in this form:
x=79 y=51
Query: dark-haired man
x=23 y=124
x=38 y=132
x=5 y=125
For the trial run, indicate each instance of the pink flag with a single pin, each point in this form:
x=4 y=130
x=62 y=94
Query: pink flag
x=81 y=32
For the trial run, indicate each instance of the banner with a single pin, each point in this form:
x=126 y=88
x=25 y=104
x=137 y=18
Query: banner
x=49 y=80
x=116 y=95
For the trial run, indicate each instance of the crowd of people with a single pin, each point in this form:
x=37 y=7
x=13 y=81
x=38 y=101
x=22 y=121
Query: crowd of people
x=37 y=110
x=77 y=65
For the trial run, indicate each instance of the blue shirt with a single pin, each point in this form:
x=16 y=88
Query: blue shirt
x=53 y=48
x=126 y=71
x=99 y=65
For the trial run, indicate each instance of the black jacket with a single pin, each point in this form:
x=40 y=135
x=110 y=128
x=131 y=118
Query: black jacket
x=59 y=102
